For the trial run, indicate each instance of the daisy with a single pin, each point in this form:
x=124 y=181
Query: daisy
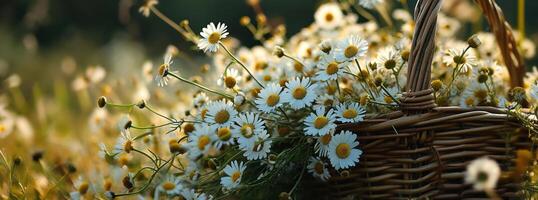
x=350 y=112
x=259 y=148
x=322 y=145
x=370 y=3
x=326 y=100
x=201 y=139
x=465 y=63
x=192 y=195
x=229 y=79
x=319 y=123
x=7 y=123
x=474 y=95
x=483 y=173
x=342 y=152
x=329 y=16
x=350 y=48
x=224 y=137
x=234 y=173
x=211 y=37
x=162 y=73
x=246 y=126
x=299 y=93
x=269 y=98
x=81 y=187
x=318 y=168
x=222 y=113
x=387 y=98
x=171 y=185
x=124 y=143
x=389 y=58
x=200 y=100
x=329 y=69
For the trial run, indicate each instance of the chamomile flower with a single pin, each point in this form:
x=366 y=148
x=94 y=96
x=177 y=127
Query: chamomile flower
x=465 y=63
x=190 y=194
x=329 y=69
x=246 y=127
x=318 y=168
x=342 y=152
x=201 y=140
x=81 y=187
x=299 y=93
x=483 y=173
x=222 y=113
x=259 y=148
x=234 y=173
x=351 y=48
x=320 y=123
x=171 y=185
x=370 y=3
x=200 y=100
x=322 y=144
x=350 y=112
x=329 y=16
x=269 y=98
x=162 y=72
x=474 y=95
x=230 y=79
x=124 y=143
x=388 y=98
x=389 y=58
x=224 y=135
x=211 y=37
x=7 y=124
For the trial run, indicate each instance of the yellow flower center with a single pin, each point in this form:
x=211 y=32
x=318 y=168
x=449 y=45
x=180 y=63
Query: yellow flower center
x=168 y=186
x=332 y=68
x=388 y=99
x=390 y=64
x=83 y=188
x=224 y=134
x=267 y=78
x=235 y=176
x=214 y=38
x=481 y=94
x=188 y=128
x=247 y=129
x=299 y=92
x=2 y=128
x=351 y=51
x=326 y=139
x=320 y=122
x=459 y=59
x=349 y=113
x=162 y=69
x=229 y=81
x=469 y=101
x=203 y=113
x=298 y=67
x=329 y=17
x=128 y=146
x=343 y=150
x=272 y=100
x=318 y=167
x=222 y=116
x=203 y=141
x=260 y=65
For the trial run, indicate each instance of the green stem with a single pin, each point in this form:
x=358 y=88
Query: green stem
x=201 y=86
x=240 y=63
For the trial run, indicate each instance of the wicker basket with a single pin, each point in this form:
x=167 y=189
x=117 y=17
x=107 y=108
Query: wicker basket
x=422 y=150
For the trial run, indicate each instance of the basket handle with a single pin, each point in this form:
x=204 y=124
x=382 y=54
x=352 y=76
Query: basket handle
x=418 y=97
x=505 y=39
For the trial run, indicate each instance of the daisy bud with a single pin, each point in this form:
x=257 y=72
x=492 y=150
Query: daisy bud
x=378 y=80
x=474 y=41
x=175 y=147
x=101 y=102
x=278 y=51
x=284 y=196
x=363 y=100
x=17 y=161
x=436 y=85
x=239 y=99
x=36 y=156
x=83 y=188
x=405 y=55
x=71 y=168
x=184 y=23
x=261 y=18
x=325 y=46
x=188 y=128
x=372 y=65
x=128 y=124
x=345 y=173
x=272 y=159
x=110 y=195
x=127 y=183
x=141 y=104
x=245 y=20
x=518 y=94
x=482 y=78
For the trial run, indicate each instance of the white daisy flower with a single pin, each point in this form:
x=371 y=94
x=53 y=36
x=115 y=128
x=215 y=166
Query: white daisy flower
x=192 y=195
x=329 y=69
x=162 y=73
x=222 y=113
x=234 y=173
x=329 y=16
x=224 y=135
x=201 y=140
x=171 y=185
x=230 y=80
x=259 y=148
x=387 y=98
x=342 y=152
x=246 y=127
x=318 y=169
x=81 y=187
x=322 y=145
x=483 y=173
x=319 y=123
x=350 y=112
x=269 y=98
x=389 y=58
x=473 y=95
x=124 y=143
x=370 y=4
x=200 y=100
x=299 y=93
x=7 y=124
x=211 y=37
x=465 y=63
x=351 y=48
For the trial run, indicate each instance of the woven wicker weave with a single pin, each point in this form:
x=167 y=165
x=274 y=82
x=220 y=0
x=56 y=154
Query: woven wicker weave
x=422 y=150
